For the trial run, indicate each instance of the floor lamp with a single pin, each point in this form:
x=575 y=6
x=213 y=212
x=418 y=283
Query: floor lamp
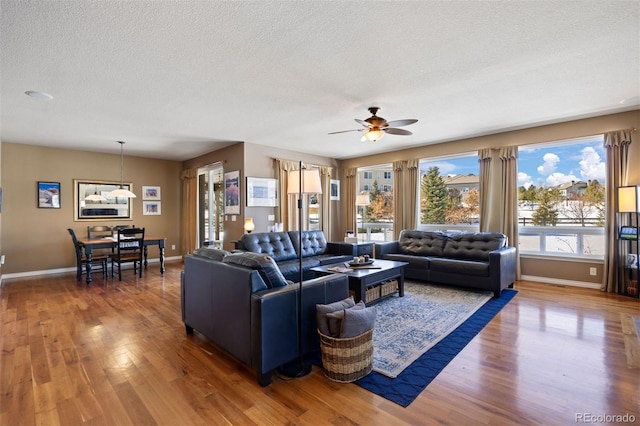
x=302 y=181
x=362 y=200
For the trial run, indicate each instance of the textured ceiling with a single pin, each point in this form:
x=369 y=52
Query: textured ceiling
x=176 y=79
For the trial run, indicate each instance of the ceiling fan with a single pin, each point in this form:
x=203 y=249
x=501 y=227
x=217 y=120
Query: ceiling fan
x=375 y=127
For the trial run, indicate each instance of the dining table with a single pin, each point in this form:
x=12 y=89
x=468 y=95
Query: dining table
x=89 y=244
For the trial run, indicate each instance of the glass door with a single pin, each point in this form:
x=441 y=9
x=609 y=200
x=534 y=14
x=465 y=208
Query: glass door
x=211 y=206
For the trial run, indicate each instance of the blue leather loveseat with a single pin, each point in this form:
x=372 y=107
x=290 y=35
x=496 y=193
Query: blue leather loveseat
x=467 y=259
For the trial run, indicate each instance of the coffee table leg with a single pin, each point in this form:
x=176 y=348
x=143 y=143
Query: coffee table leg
x=401 y=285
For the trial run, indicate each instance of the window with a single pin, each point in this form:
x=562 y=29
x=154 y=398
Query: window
x=449 y=192
x=561 y=198
x=374 y=204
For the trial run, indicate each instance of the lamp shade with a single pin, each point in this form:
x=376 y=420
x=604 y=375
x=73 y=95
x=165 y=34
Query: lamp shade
x=373 y=135
x=249 y=225
x=310 y=182
x=95 y=197
x=629 y=199
x=362 y=200
x=121 y=192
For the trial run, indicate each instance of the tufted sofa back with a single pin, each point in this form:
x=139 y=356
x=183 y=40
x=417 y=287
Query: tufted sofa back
x=277 y=245
x=313 y=242
x=422 y=243
x=473 y=245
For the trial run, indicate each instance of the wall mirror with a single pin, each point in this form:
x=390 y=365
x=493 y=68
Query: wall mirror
x=92 y=201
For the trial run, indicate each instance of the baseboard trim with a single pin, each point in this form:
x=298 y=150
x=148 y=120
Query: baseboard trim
x=557 y=281
x=72 y=269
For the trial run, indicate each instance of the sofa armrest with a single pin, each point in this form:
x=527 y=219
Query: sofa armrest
x=386 y=248
x=502 y=267
x=347 y=249
x=274 y=317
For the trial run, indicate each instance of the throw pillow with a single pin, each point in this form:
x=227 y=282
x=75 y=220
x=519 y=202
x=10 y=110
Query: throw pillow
x=335 y=318
x=356 y=322
x=211 y=253
x=265 y=265
x=323 y=310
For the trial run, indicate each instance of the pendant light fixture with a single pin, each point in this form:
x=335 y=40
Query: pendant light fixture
x=121 y=192
x=95 y=196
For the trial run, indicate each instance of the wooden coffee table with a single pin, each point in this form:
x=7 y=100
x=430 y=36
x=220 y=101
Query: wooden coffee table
x=370 y=283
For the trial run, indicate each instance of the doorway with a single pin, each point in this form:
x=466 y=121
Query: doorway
x=211 y=206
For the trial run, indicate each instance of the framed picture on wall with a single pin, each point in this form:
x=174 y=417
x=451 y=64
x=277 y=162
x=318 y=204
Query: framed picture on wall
x=232 y=192
x=261 y=192
x=49 y=195
x=334 y=190
x=151 y=193
x=151 y=208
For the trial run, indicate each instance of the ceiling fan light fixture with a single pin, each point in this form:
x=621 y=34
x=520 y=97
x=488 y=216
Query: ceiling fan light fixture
x=373 y=135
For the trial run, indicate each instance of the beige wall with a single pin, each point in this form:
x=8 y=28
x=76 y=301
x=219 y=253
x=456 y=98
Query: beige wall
x=36 y=239
x=565 y=270
x=34 y=231
x=254 y=161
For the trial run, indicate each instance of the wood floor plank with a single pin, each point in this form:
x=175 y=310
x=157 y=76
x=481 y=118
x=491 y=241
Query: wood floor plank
x=116 y=353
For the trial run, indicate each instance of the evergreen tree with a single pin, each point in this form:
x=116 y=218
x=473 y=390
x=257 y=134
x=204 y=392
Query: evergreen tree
x=435 y=197
x=546 y=214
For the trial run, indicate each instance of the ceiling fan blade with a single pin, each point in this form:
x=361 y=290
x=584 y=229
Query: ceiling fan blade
x=394 y=131
x=364 y=123
x=346 y=131
x=400 y=123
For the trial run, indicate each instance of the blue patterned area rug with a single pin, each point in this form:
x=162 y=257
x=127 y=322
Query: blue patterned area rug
x=407 y=327
x=413 y=379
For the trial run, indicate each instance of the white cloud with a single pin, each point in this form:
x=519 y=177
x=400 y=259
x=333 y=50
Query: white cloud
x=591 y=166
x=524 y=180
x=445 y=168
x=549 y=166
x=557 y=178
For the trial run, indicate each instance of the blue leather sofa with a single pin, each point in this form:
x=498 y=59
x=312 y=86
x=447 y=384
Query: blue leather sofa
x=467 y=259
x=284 y=247
x=239 y=307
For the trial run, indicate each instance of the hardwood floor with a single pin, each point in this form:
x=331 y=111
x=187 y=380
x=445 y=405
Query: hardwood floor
x=115 y=353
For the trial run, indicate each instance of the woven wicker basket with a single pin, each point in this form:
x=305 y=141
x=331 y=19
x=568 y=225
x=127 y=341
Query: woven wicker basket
x=347 y=360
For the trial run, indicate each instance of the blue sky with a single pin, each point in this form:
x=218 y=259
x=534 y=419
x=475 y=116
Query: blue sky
x=548 y=165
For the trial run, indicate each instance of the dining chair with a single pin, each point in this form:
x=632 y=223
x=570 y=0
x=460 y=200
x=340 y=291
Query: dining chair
x=99 y=231
x=97 y=260
x=129 y=249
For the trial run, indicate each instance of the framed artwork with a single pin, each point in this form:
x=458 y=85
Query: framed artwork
x=334 y=190
x=49 y=195
x=92 y=201
x=151 y=208
x=232 y=192
x=151 y=193
x=262 y=192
